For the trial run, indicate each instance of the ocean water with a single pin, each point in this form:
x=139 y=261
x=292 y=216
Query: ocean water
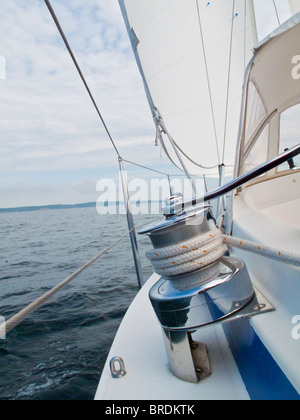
x=58 y=353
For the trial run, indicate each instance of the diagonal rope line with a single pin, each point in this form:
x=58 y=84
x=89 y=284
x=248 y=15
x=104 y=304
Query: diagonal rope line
x=19 y=317
x=15 y=320
x=80 y=72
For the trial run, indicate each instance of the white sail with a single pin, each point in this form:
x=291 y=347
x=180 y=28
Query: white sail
x=295 y=6
x=192 y=56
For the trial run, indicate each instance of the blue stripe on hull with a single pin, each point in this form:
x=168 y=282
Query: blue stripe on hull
x=262 y=376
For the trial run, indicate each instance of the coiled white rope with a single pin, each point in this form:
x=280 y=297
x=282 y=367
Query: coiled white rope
x=205 y=249
x=184 y=257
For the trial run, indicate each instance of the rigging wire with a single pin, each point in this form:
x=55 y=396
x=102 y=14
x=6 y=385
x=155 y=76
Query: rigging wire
x=80 y=73
x=276 y=11
x=208 y=83
x=151 y=169
x=228 y=82
x=48 y=4
x=88 y=89
x=245 y=34
x=192 y=161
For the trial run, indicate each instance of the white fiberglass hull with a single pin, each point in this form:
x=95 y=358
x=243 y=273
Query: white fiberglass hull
x=253 y=358
x=268 y=213
x=139 y=342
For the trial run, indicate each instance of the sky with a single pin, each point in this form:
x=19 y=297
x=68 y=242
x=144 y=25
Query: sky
x=53 y=148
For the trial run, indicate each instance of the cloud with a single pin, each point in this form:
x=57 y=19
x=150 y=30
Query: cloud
x=47 y=120
x=45 y=110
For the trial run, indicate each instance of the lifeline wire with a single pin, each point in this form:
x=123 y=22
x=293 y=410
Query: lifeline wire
x=87 y=87
x=80 y=73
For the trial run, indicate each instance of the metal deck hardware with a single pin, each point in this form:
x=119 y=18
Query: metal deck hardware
x=221 y=292
x=120 y=371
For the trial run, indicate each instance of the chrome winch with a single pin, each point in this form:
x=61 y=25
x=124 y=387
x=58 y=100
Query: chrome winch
x=201 y=284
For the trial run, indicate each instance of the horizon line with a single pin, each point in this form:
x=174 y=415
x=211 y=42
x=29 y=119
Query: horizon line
x=62 y=206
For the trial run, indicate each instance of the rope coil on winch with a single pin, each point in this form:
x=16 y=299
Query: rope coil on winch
x=206 y=249
x=184 y=257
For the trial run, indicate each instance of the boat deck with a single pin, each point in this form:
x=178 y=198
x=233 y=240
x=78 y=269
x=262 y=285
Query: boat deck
x=139 y=343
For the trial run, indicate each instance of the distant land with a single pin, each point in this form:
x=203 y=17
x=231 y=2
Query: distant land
x=58 y=207
x=49 y=207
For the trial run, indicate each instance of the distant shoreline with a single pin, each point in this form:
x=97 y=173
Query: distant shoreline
x=47 y=207
x=56 y=207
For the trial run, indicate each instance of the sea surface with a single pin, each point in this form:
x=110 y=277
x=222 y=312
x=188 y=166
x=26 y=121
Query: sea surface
x=58 y=353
